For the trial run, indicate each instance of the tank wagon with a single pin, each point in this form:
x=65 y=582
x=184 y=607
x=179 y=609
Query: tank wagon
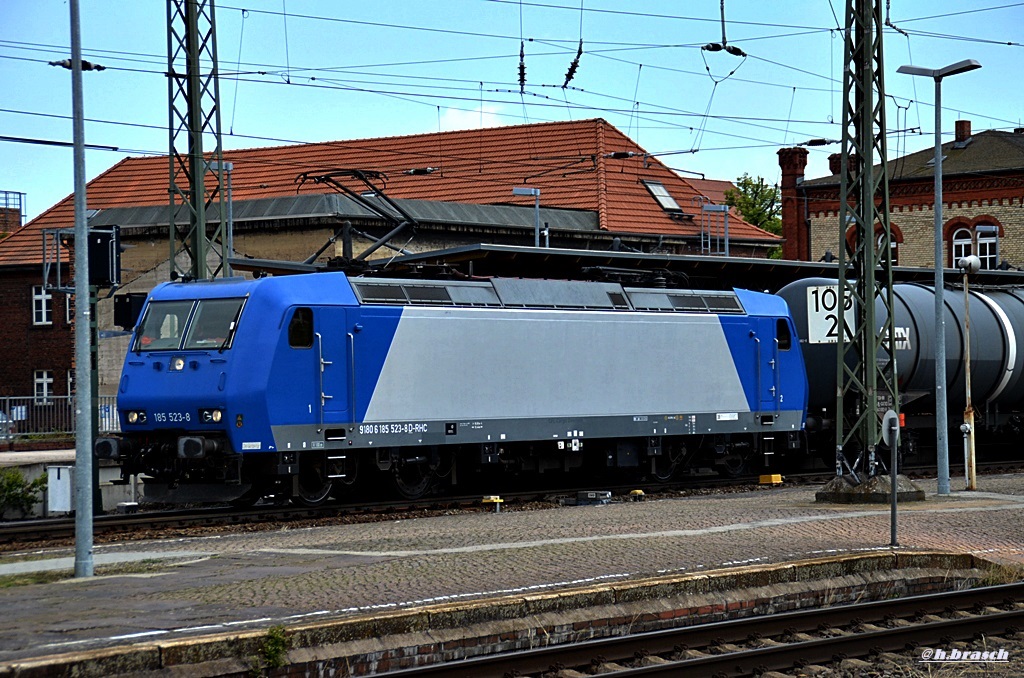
x=997 y=364
x=312 y=385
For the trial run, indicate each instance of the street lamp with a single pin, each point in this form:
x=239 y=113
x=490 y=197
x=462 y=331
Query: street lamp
x=535 y=192
x=941 y=415
x=970 y=264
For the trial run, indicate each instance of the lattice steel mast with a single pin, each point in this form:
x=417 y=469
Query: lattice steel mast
x=866 y=365
x=197 y=249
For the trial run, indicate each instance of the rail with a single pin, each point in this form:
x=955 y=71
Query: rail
x=31 y=416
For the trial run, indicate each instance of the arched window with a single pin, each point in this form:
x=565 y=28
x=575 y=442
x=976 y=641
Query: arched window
x=894 y=250
x=978 y=236
x=962 y=244
x=896 y=238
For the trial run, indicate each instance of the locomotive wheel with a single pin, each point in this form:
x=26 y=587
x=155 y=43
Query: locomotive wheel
x=732 y=465
x=248 y=499
x=413 y=481
x=663 y=467
x=313 y=487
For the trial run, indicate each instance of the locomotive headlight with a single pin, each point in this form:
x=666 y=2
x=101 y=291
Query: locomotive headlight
x=177 y=364
x=210 y=416
x=136 y=417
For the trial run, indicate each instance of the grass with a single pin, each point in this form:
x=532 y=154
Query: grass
x=147 y=566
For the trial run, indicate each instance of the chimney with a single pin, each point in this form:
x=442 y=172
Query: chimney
x=963 y=130
x=793 y=161
x=835 y=163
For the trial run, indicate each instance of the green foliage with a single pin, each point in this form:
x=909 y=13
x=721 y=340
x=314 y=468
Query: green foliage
x=16 y=493
x=758 y=203
x=274 y=648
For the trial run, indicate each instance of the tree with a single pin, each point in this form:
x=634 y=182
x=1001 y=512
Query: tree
x=757 y=202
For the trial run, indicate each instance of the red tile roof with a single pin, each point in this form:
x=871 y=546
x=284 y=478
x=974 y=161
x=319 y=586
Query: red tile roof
x=568 y=161
x=713 y=189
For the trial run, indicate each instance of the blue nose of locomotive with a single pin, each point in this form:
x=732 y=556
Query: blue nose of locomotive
x=175 y=381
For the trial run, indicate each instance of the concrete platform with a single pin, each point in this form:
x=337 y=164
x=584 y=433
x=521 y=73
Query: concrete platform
x=36 y=457
x=180 y=598
x=33 y=464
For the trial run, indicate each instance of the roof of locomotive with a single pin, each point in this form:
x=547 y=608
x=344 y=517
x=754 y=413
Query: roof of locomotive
x=337 y=289
x=283 y=291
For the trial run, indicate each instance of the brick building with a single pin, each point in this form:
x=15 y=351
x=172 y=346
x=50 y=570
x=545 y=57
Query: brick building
x=36 y=331
x=11 y=212
x=598 y=190
x=982 y=190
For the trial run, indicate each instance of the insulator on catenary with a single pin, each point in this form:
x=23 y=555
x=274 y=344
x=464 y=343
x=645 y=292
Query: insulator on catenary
x=573 y=66
x=522 y=67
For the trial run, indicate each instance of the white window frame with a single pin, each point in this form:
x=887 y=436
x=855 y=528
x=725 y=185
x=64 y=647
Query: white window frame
x=662 y=196
x=42 y=306
x=961 y=243
x=69 y=308
x=71 y=383
x=987 y=236
x=984 y=244
x=43 y=387
x=894 y=251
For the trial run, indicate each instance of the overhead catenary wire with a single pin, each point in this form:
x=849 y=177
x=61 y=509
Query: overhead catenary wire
x=575 y=63
x=571 y=101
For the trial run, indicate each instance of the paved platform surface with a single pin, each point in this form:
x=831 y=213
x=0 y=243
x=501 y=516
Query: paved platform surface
x=183 y=588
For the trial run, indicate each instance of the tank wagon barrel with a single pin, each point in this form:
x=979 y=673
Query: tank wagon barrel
x=996 y=322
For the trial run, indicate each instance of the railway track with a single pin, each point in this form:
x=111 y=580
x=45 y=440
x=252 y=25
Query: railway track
x=779 y=642
x=149 y=522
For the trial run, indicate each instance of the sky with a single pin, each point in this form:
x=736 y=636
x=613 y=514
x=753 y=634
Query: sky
x=297 y=71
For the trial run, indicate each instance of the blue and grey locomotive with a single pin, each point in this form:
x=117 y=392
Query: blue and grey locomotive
x=304 y=385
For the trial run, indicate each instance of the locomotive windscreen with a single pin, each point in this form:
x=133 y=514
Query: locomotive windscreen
x=172 y=325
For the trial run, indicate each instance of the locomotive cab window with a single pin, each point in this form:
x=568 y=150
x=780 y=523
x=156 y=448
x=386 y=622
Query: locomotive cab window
x=300 y=329
x=162 y=326
x=213 y=325
x=782 y=334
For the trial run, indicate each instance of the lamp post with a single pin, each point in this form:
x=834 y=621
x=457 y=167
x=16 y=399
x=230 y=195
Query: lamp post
x=535 y=192
x=941 y=413
x=970 y=264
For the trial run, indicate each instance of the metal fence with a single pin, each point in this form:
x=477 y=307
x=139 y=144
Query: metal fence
x=29 y=416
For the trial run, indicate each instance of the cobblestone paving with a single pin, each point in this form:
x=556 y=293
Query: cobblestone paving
x=259 y=579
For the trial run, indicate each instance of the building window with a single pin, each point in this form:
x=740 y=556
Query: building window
x=961 y=244
x=988 y=246
x=42 y=306
x=69 y=308
x=662 y=196
x=43 y=380
x=895 y=238
x=982 y=242
x=894 y=250
x=71 y=382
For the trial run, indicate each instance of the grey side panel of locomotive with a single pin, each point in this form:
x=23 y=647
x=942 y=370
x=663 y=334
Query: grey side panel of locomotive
x=498 y=430
x=488 y=364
